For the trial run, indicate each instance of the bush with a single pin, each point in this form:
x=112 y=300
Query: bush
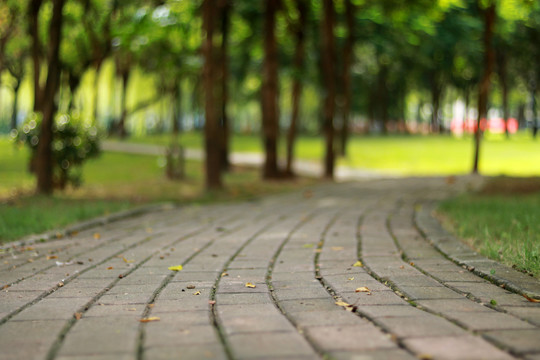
x=73 y=143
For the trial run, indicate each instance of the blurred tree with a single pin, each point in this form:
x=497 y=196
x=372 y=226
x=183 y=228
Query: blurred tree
x=328 y=64
x=44 y=98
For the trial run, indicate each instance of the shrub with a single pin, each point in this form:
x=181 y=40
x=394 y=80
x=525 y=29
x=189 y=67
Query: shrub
x=73 y=143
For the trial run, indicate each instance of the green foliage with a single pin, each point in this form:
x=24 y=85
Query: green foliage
x=73 y=143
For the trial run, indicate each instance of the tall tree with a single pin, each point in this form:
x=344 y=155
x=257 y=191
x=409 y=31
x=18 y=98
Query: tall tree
x=269 y=91
x=328 y=71
x=212 y=136
x=45 y=101
x=224 y=10
x=299 y=29
x=346 y=79
x=483 y=89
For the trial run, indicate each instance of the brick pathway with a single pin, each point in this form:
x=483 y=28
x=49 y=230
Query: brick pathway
x=342 y=271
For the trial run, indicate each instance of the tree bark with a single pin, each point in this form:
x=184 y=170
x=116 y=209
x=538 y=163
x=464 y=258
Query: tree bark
x=225 y=10
x=270 y=117
x=212 y=134
x=121 y=125
x=483 y=92
x=44 y=160
x=35 y=50
x=347 y=80
x=436 y=93
x=15 y=103
x=299 y=55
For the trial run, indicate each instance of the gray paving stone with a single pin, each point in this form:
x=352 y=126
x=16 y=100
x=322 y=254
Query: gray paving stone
x=489 y=321
x=386 y=354
x=429 y=292
x=454 y=348
x=531 y=314
x=243 y=298
x=302 y=293
x=170 y=330
x=256 y=345
x=452 y=305
x=325 y=318
x=519 y=341
x=296 y=305
x=187 y=352
x=359 y=337
x=256 y=323
x=376 y=311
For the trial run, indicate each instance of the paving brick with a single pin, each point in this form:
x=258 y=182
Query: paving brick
x=246 y=346
x=187 y=352
x=489 y=321
x=386 y=354
x=455 y=347
x=359 y=337
x=419 y=326
x=519 y=341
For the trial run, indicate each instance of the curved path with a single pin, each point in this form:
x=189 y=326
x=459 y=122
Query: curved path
x=340 y=271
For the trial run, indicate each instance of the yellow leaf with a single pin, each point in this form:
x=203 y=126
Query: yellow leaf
x=358 y=264
x=351 y=278
x=363 y=289
x=97 y=236
x=50 y=257
x=307 y=246
x=318 y=250
x=250 y=285
x=197 y=293
x=127 y=261
x=148 y=319
x=224 y=274
x=176 y=268
x=342 y=303
x=337 y=248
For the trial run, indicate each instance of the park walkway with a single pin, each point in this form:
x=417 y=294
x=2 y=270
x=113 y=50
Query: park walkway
x=339 y=271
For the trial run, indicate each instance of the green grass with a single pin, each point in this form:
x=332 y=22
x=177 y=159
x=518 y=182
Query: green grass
x=36 y=214
x=505 y=228
x=112 y=182
x=402 y=154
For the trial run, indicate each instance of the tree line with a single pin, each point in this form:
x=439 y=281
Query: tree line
x=369 y=59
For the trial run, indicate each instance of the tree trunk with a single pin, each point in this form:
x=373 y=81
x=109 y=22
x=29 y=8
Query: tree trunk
x=328 y=63
x=483 y=92
x=299 y=55
x=95 y=93
x=225 y=25
x=212 y=134
x=121 y=125
x=35 y=49
x=270 y=117
x=44 y=160
x=347 y=80
x=15 y=103
x=501 y=66
x=436 y=93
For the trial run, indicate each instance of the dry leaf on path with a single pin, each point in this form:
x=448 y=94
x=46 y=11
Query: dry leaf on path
x=197 y=293
x=358 y=264
x=363 y=289
x=531 y=299
x=51 y=257
x=127 y=261
x=176 y=268
x=337 y=248
x=342 y=303
x=351 y=278
x=97 y=236
x=250 y=285
x=149 y=319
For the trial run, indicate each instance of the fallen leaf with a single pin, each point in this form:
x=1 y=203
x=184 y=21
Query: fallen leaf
x=110 y=268
x=5 y=287
x=50 y=257
x=307 y=246
x=190 y=286
x=412 y=264
x=363 y=289
x=342 y=303
x=197 y=293
x=121 y=276
x=318 y=250
x=149 y=319
x=60 y=284
x=425 y=357
x=127 y=261
x=358 y=264
x=150 y=306
x=402 y=267
x=337 y=248
x=97 y=236
x=176 y=268
x=224 y=274
x=250 y=285
x=131 y=309
x=531 y=299
x=77 y=315
x=351 y=278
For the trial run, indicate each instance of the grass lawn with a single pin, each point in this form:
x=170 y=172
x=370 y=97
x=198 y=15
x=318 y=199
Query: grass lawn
x=404 y=154
x=112 y=182
x=502 y=221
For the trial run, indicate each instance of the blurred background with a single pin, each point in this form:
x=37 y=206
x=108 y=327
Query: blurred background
x=105 y=104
